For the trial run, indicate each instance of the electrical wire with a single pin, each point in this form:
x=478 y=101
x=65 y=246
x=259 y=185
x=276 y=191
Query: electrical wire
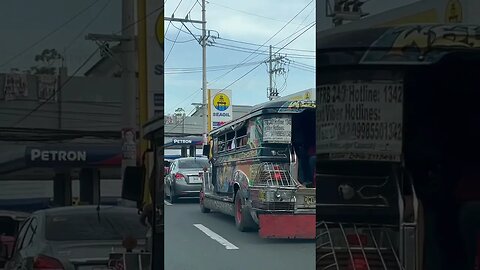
x=63 y=117
x=161 y=8
x=246 y=12
x=22 y=52
x=288 y=43
x=298 y=28
x=247 y=58
x=249 y=50
x=256 y=44
x=59 y=90
x=179 y=3
x=181 y=41
x=251 y=70
x=171 y=48
x=88 y=25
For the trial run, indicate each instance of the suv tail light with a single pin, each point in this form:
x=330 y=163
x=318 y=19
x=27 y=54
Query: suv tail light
x=44 y=263
x=179 y=176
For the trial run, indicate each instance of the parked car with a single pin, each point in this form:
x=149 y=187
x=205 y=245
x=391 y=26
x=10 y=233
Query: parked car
x=183 y=178
x=10 y=223
x=67 y=237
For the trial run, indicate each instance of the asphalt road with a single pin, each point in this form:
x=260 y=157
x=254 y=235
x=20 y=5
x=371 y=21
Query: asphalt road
x=194 y=240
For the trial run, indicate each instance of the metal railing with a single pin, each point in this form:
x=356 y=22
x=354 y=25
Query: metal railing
x=356 y=246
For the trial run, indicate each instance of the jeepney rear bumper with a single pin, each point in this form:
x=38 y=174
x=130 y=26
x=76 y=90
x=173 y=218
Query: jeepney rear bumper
x=287 y=226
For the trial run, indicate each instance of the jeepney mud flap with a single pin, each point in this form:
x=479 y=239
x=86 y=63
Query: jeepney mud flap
x=287 y=226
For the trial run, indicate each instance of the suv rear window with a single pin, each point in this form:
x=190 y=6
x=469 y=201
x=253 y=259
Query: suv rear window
x=89 y=226
x=198 y=163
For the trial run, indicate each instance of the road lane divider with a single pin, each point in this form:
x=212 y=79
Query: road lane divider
x=215 y=236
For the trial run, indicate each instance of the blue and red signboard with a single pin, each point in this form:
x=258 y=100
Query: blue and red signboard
x=74 y=156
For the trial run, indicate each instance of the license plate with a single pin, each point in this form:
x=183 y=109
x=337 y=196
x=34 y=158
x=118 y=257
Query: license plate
x=195 y=179
x=309 y=200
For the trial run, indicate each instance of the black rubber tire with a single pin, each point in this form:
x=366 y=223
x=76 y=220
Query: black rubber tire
x=243 y=220
x=173 y=197
x=203 y=209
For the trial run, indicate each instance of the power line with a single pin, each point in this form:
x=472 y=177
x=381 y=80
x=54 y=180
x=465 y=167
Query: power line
x=265 y=41
x=256 y=44
x=63 y=118
x=171 y=48
x=255 y=51
x=181 y=41
x=49 y=34
x=161 y=8
x=246 y=12
x=211 y=67
x=241 y=77
x=298 y=28
x=179 y=3
x=296 y=31
x=249 y=50
x=312 y=25
x=59 y=90
x=88 y=24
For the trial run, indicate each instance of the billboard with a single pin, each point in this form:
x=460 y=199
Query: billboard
x=220 y=107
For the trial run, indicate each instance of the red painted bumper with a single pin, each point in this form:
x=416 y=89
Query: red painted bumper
x=287 y=226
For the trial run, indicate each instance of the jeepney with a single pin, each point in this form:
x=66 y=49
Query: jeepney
x=261 y=171
x=394 y=104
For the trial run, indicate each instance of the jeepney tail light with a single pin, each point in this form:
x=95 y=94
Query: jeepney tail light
x=277 y=174
x=44 y=262
x=179 y=176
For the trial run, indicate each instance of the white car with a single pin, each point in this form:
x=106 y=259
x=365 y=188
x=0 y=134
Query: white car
x=71 y=238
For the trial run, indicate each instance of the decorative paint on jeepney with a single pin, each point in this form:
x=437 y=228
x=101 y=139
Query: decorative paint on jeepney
x=415 y=43
x=254 y=132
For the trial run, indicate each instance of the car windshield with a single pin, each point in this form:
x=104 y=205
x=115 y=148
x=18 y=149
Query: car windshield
x=90 y=226
x=192 y=163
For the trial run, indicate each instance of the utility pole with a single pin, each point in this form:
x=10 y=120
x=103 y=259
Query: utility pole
x=203 y=43
x=129 y=101
x=204 y=73
x=272 y=92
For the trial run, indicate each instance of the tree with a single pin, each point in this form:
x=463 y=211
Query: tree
x=47 y=61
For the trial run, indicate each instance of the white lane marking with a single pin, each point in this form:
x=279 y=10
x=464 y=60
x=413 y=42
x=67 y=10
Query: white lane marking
x=215 y=236
x=167 y=203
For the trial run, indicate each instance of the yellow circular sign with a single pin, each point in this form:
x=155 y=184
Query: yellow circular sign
x=454 y=12
x=159 y=29
x=221 y=102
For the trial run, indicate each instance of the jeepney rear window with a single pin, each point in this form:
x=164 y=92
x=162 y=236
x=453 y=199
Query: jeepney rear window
x=277 y=129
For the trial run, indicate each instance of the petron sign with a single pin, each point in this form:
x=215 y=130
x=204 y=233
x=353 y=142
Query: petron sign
x=51 y=156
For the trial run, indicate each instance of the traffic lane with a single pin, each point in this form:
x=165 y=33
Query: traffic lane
x=187 y=246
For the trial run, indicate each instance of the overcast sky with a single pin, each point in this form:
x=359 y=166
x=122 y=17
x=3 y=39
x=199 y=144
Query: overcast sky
x=28 y=27
x=237 y=22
